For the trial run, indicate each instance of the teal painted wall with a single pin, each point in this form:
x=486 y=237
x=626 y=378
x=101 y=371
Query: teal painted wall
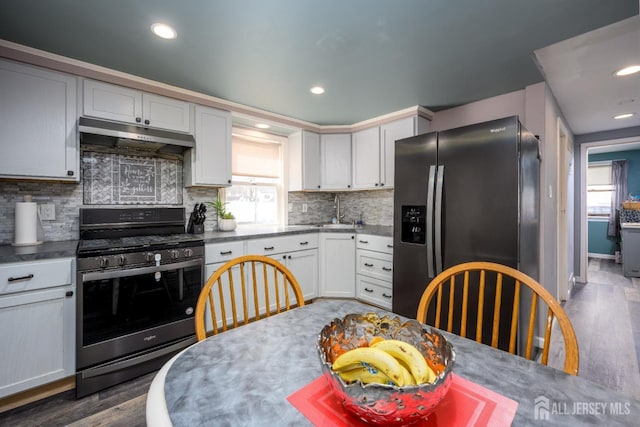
x=599 y=243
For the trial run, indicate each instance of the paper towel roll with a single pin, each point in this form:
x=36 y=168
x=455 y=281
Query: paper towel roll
x=26 y=224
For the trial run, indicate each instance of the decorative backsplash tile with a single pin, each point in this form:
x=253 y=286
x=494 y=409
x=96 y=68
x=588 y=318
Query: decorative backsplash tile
x=112 y=179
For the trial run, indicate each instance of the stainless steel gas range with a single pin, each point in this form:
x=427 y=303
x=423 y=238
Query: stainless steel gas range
x=138 y=278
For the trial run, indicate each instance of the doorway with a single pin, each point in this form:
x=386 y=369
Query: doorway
x=622 y=144
x=565 y=272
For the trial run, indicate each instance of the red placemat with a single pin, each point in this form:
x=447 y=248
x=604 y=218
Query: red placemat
x=466 y=404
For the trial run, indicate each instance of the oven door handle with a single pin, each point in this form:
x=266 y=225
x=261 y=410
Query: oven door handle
x=113 y=274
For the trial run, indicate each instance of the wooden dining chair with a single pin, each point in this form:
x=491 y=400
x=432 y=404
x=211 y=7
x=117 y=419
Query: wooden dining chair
x=243 y=290
x=455 y=282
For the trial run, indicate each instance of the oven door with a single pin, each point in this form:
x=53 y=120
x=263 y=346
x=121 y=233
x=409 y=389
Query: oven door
x=125 y=311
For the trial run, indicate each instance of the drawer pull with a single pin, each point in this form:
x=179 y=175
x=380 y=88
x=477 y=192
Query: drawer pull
x=366 y=264
x=226 y=253
x=15 y=279
x=386 y=268
x=390 y=246
x=385 y=295
x=68 y=294
x=269 y=248
x=368 y=290
x=363 y=241
x=304 y=243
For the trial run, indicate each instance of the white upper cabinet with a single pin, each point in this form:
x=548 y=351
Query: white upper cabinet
x=304 y=161
x=209 y=163
x=374 y=151
x=107 y=101
x=38 y=112
x=366 y=159
x=335 y=159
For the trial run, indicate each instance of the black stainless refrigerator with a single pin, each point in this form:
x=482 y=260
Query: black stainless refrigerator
x=465 y=194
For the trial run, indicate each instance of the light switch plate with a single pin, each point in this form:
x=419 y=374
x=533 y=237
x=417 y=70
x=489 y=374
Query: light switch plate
x=47 y=211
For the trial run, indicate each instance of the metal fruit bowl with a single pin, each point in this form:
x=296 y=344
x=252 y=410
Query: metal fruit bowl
x=383 y=404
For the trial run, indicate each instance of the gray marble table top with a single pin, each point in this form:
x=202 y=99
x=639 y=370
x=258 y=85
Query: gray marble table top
x=243 y=377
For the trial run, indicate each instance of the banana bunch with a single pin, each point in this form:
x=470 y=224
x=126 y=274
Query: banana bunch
x=391 y=362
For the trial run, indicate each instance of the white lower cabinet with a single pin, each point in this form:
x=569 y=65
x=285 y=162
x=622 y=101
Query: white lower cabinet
x=304 y=266
x=375 y=270
x=337 y=265
x=37 y=319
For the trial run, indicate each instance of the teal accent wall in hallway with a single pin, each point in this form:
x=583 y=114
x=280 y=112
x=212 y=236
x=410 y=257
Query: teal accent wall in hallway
x=599 y=242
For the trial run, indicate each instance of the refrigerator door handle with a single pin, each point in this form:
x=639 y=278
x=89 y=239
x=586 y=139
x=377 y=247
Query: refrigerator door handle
x=429 y=239
x=438 y=219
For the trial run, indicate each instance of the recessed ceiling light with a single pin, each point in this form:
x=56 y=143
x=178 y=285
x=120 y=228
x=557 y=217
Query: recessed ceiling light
x=263 y=126
x=624 y=116
x=632 y=69
x=164 y=31
x=317 y=90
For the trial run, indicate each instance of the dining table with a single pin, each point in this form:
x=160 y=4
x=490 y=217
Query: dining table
x=244 y=376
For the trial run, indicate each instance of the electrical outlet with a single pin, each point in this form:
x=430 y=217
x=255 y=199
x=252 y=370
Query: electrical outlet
x=47 y=211
x=304 y=208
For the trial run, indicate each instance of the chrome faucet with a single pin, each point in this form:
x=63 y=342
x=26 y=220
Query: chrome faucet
x=336 y=206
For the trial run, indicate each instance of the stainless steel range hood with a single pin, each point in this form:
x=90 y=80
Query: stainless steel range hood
x=115 y=134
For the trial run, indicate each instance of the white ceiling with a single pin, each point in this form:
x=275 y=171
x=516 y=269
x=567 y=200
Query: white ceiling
x=580 y=73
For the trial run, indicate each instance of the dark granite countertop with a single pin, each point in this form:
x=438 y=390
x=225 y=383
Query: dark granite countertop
x=243 y=377
x=67 y=248
x=244 y=233
x=47 y=250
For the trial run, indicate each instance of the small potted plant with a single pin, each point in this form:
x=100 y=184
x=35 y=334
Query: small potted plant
x=226 y=220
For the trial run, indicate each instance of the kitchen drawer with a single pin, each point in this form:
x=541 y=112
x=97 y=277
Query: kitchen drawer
x=374 y=291
x=276 y=245
x=223 y=252
x=375 y=243
x=28 y=276
x=375 y=264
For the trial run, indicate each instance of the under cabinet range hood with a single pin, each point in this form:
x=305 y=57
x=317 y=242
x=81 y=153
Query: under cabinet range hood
x=116 y=134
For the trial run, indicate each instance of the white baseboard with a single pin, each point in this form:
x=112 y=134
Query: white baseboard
x=601 y=256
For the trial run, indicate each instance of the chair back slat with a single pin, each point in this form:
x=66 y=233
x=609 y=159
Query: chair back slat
x=465 y=304
x=238 y=293
x=508 y=288
x=495 y=329
x=531 y=326
x=480 y=307
x=514 y=318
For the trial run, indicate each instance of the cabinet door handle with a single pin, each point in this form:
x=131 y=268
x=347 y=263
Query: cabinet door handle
x=138 y=119
x=368 y=290
x=226 y=252
x=390 y=246
x=146 y=122
x=15 y=279
x=386 y=268
x=304 y=243
x=69 y=294
x=386 y=296
x=269 y=248
x=363 y=241
x=366 y=264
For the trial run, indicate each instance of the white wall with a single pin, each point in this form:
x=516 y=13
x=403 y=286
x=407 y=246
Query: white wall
x=509 y=104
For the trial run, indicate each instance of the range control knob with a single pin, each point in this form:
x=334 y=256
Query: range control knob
x=103 y=262
x=188 y=252
x=148 y=256
x=174 y=254
x=122 y=260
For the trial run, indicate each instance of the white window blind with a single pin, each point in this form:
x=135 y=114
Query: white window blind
x=257 y=159
x=599 y=189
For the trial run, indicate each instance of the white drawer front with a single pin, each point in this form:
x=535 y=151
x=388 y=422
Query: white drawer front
x=27 y=276
x=374 y=291
x=375 y=264
x=375 y=243
x=276 y=245
x=223 y=252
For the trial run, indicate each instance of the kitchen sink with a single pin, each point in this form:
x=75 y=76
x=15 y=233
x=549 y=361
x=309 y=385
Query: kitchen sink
x=350 y=226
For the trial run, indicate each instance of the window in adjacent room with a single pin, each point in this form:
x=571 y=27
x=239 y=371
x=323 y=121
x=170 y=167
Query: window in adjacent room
x=599 y=189
x=256 y=192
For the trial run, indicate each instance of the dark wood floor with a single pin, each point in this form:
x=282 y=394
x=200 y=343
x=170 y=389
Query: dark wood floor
x=604 y=312
x=119 y=406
